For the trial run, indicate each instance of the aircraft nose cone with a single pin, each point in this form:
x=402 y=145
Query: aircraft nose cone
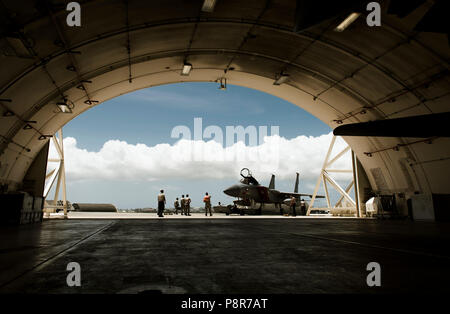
x=227 y=191
x=231 y=191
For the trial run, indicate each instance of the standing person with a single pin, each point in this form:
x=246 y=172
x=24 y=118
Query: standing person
x=293 y=203
x=161 y=203
x=207 y=201
x=176 y=205
x=183 y=205
x=188 y=205
x=303 y=207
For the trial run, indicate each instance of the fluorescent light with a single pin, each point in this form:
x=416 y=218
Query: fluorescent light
x=346 y=23
x=64 y=107
x=281 y=79
x=186 y=68
x=208 y=5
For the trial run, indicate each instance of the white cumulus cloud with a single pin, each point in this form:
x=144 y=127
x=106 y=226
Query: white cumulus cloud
x=118 y=160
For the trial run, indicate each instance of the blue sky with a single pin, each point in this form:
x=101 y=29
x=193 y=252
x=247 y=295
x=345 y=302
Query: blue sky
x=147 y=116
x=141 y=121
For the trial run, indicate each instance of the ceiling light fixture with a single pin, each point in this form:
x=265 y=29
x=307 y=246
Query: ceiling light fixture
x=208 y=5
x=281 y=79
x=65 y=106
x=346 y=23
x=187 y=67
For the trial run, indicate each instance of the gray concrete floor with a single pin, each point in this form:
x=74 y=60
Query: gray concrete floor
x=225 y=256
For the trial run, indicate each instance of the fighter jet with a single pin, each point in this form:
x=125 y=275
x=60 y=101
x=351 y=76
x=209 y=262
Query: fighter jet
x=249 y=192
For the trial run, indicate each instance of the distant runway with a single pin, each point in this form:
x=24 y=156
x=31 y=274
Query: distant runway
x=92 y=215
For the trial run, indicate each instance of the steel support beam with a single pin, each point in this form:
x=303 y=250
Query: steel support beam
x=58 y=174
x=326 y=179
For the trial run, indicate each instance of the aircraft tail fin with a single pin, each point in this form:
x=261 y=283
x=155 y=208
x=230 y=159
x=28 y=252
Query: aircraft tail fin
x=272 y=182
x=296 y=184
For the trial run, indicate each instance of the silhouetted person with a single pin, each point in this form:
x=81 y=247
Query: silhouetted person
x=303 y=207
x=293 y=203
x=183 y=205
x=176 y=205
x=188 y=205
x=207 y=201
x=161 y=203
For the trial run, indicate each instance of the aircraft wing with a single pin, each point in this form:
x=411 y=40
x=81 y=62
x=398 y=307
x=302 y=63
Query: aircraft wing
x=298 y=195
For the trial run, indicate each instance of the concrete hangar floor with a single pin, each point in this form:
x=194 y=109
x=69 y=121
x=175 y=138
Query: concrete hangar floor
x=243 y=255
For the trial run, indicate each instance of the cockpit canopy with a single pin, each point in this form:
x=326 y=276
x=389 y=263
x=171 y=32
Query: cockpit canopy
x=247 y=177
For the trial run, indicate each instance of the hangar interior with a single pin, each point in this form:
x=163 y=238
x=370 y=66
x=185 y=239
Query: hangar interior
x=52 y=72
x=361 y=74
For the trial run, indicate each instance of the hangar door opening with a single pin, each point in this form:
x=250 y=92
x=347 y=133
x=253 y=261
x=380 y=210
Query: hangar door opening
x=193 y=138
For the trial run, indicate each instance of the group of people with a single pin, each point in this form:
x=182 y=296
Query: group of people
x=183 y=205
x=293 y=204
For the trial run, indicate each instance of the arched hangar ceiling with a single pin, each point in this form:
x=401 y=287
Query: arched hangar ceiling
x=361 y=74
